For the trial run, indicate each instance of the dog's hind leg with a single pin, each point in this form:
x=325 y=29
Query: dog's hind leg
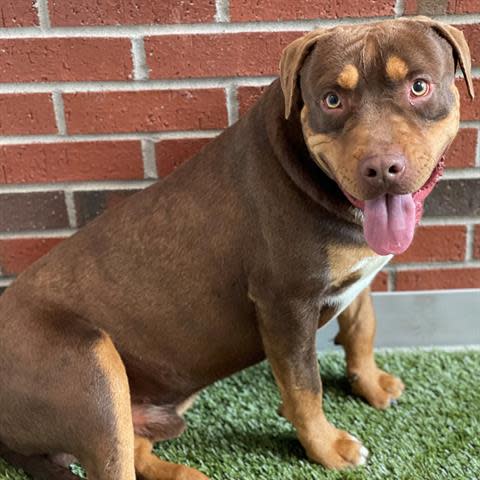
x=150 y=467
x=65 y=389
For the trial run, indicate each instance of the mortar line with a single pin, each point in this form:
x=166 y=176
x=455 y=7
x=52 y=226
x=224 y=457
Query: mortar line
x=461 y=174
x=477 y=150
x=59 y=111
x=71 y=210
x=6 y=281
x=154 y=136
x=470 y=124
x=222 y=11
x=469 y=243
x=43 y=16
x=391 y=280
x=403 y=267
x=82 y=186
x=232 y=103
x=139 y=59
x=131 y=31
x=399 y=8
x=149 y=159
x=135 y=86
x=54 y=233
x=445 y=220
x=459 y=73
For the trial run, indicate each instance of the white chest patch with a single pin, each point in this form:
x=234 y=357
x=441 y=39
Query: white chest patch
x=368 y=267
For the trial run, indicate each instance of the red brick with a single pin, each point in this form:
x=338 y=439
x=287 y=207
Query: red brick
x=454 y=198
x=26 y=114
x=462 y=152
x=247 y=97
x=472 y=35
x=425 y=7
x=436 y=244
x=476 y=245
x=229 y=54
x=463 y=6
x=66 y=162
x=65 y=59
x=380 y=283
x=470 y=109
x=440 y=279
x=32 y=211
x=128 y=12
x=258 y=10
x=18 y=13
x=145 y=111
x=411 y=7
x=17 y=254
x=171 y=154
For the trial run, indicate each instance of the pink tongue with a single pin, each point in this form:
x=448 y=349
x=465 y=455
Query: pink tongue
x=389 y=223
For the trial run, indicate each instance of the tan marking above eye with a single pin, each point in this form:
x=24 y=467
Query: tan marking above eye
x=396 y=68
x=348 y=77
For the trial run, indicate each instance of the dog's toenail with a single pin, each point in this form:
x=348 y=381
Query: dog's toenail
x=354 y=439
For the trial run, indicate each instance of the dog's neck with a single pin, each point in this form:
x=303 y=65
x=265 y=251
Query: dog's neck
x=287 y=142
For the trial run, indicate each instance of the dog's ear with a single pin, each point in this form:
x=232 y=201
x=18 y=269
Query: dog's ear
x=291 y=62
x=455 y=37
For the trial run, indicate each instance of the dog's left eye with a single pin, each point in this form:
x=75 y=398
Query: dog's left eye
x=332 y=100
x=420 y=87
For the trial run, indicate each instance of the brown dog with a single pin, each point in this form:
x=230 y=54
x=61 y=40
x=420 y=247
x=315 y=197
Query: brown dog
x=242 y=253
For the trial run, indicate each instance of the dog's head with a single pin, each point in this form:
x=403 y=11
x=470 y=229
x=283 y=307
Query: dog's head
x=379 y=108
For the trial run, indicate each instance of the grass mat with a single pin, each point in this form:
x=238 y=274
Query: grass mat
x=433 y=433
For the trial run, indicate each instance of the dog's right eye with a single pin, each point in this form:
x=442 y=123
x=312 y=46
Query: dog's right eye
x=332 y=100
x=420 y=87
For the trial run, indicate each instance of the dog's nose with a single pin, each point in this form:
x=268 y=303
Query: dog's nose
x=382 y=169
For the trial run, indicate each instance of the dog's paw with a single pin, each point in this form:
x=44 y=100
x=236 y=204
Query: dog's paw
x=378 y=388
x=337 y=449
x=187 y=473
x=351 y=451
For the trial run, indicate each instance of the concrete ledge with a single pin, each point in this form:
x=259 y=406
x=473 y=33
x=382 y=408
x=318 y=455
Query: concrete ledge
x=420 y=319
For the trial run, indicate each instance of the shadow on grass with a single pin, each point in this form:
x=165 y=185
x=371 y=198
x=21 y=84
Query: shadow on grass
x=285 y=446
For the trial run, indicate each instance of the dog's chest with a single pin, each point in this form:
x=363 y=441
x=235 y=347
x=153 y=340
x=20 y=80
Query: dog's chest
x=351 y=273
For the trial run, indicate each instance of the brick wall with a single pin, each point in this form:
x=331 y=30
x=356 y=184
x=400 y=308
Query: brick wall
x=99 y=99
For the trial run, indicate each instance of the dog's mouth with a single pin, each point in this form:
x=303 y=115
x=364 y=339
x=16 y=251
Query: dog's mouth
x=390 y=220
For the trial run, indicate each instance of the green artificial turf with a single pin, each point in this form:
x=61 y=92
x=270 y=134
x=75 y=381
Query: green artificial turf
x=433 y=433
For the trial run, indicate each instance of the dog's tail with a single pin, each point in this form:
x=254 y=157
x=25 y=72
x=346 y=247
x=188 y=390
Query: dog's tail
x=38 y=467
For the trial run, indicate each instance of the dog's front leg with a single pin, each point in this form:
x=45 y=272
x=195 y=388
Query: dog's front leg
x=288 y=333
x=356 y=335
